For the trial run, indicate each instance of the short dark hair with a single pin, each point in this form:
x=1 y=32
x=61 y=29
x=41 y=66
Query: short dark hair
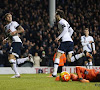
x=61 y=13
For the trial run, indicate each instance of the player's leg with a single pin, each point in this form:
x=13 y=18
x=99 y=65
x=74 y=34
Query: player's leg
x=69 y=50
x=12 y=61
x=60 y=51
x=56 y=63
x=73 y=57
x=90 y=63
x=15 y=52
x=86 y=64
x=22 y=60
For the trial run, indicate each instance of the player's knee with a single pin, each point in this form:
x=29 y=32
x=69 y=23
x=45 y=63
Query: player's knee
x=12 y=61
x=11 y=56
x=58 y=55
x=69 y=56
x=69 y=59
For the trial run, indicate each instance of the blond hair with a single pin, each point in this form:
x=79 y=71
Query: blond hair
x=86 y=29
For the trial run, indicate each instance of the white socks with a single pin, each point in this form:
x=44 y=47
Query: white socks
x=76 y=57
x=22 y=60
x=56 y=64
x=89 y=65
x=13 y=66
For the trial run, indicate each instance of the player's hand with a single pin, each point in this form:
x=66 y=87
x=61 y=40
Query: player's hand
x=94 y=52
x=4 y=41
x=84 y=81
x=57 y=39
x=13 y=33
x=90 y=41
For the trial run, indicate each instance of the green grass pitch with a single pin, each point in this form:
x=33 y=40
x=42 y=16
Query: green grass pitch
x=42 y=82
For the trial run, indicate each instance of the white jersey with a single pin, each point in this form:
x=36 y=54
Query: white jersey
x=86 y=45
x=11 y=27
x=66 y=30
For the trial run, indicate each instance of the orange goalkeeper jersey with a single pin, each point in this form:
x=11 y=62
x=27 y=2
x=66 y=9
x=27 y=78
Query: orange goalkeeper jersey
x=89 y=74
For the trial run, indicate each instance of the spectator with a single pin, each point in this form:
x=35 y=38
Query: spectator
x=34 y=17
x=37 y=60
x=44 y=59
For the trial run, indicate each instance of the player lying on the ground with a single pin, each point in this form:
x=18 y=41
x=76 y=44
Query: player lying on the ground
x=84 y=75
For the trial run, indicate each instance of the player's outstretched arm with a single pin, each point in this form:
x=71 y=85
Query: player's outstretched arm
x=80 y=70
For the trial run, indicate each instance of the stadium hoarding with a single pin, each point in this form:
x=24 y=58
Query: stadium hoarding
x=34 y=70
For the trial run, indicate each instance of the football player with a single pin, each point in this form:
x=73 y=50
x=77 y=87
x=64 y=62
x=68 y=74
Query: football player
x=67 y=44
x=84 y=75
x=12 y=29
x=88 y=45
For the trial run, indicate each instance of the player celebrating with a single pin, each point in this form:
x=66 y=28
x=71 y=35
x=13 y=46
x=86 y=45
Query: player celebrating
x=66 y=45
x=88 y=45
x=12 y=29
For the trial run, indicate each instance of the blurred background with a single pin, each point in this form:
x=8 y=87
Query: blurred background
x=39 y=36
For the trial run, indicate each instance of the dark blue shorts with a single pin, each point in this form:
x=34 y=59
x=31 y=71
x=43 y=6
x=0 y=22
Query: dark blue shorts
x=16 y=48
x=66 y=47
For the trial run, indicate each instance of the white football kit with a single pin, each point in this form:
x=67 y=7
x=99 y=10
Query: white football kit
x=86 y=45
x=66 y=30
x=16 y=41
x=66 y=33
x=11 y=27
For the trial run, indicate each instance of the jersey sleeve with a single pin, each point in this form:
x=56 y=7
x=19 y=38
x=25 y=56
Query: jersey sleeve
x=15 y=24
x=65 y=29
x=93 y=44
x=70 y=30
x=80 y=71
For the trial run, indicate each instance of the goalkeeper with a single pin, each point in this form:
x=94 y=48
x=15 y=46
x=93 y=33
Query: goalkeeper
x=85 y=75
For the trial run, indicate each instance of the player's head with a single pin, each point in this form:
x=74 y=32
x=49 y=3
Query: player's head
x=59 y=14
x=98 y=77
x=8 y=17
x=86 y=31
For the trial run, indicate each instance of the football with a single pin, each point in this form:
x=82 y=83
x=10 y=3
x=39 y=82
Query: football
x=65 y=76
